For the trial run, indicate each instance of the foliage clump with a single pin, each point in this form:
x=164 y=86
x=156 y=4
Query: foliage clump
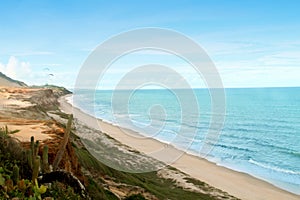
x=19 y=170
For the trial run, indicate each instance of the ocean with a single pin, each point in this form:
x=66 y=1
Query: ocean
x=260 y=136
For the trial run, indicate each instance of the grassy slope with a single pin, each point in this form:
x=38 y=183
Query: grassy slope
x=161 y=188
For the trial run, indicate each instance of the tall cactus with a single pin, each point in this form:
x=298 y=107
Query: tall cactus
x=6 y=130
x=34 y=159
x=15 y=175
x=31 y=142
x=45 y=164
x=36 y=168
x=36 y=148
x=63 y=145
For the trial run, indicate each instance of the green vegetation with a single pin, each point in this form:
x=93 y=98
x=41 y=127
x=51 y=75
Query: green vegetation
x=195 y=182
x=14 y=181
x=19 y=171
x=45 y=163
x=159 y=187
x=63 y=145
x=58 y=91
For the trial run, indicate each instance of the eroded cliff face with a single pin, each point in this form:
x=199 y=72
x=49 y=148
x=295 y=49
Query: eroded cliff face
x=45 y=99
x=28 y=103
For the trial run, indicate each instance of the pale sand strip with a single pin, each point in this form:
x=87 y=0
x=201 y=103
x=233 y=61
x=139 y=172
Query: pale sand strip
x=235 y=183
x=26 y=130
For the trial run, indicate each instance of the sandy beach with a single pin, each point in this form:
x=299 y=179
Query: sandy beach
x=235 y=183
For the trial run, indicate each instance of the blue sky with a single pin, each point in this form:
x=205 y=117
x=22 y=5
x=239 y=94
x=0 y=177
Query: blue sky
x=252 y=43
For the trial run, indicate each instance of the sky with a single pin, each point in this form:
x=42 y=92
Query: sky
x=252 y=43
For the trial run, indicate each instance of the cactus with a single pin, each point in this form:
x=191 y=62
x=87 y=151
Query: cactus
x=63 y=145
x=15 y=175
x=36 y=148
x=6 y=130
x=32 y=143
x=34 y=159
x=36 y=167
x=45 y=164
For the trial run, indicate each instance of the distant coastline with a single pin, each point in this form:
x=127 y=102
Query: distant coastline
x=236 y=183
x=257 y=120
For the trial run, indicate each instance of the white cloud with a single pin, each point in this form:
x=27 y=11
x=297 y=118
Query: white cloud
x=16 y=69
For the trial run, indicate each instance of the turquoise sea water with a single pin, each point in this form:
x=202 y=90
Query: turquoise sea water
x=261 y=133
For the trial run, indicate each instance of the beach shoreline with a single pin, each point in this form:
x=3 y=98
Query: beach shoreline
x=236 y=183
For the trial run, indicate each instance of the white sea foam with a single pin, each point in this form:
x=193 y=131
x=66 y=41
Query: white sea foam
x=274 y=168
